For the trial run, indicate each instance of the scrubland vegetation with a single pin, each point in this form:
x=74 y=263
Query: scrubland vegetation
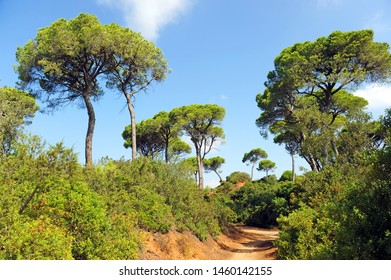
x=53 y=207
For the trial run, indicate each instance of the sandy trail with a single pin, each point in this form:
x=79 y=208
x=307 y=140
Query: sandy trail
x=239 y=242
x=249 y=243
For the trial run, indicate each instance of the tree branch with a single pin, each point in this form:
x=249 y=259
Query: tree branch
x=24 y=206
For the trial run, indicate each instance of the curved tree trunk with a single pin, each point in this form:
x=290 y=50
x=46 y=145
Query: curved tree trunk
x=132 y=123
x=90 y=130
x=217 y=173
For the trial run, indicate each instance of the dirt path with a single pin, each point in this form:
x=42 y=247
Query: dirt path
x=238 y=243
x=249 y=243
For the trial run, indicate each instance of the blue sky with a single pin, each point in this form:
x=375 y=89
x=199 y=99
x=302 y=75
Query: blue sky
x=219 y=52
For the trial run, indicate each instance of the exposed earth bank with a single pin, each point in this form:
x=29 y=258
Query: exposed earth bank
x=238 y=243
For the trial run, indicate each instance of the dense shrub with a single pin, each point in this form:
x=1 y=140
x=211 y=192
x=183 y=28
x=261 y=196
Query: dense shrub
x=238 y=177
x=344 y=213
x=37 y=239
x=286 y=176
x=162 y=196
x=260 y=204
x=46 y=206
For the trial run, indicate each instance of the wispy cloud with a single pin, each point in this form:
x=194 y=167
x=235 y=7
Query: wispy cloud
x=378 y=23
x=378 y=97
x=148 y=16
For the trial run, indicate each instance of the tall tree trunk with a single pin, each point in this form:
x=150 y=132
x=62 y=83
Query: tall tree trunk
x=132 y=123
x=166 y=151
x=335 y=149
x=313 y=163
x=90 y=130
x=200 y=169
x=293 y=166
x=252 y=171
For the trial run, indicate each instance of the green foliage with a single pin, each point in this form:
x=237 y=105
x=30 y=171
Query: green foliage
x=201 y=124
x=165 y=195
x=286 y=176
x=53 y=208
x=133 y=65
x=238 y=177
x=260 y=204
x=149 y=209
x=147 y=139
x=53 y=60
x=16 y=109
x=66 y=60
x=123 y=239
x=214 y=164
x=306 y=103
x=270 y=180
x=38 y=239
x=343 y=213
x=253 y=157
x=266 y=165
x=54 y=214
x=156 y=136
x=62 y=64
x=306 y=234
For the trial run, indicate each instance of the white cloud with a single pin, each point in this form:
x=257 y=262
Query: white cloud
x=148 y=16
x=379 y=97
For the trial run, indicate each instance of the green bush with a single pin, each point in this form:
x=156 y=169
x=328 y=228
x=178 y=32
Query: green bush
x=123 y=240
x=306 y=234
x=45 y=189
x=163 y=195
x=238 y=177
x=343 y=213
x=96 y=212
x=150 y=210
x=286 y=176
x=260 y=204
x=38 y=239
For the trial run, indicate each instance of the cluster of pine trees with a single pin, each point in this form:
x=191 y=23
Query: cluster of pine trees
x=52 y=207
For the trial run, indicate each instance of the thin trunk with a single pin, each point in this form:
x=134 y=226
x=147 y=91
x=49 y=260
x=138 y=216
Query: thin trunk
x=217 y=173
x=252 y=171
x=293 y=166
x=90 y=130
x=313 y=164
x=200 y=169
x=335 y=149
x=166 y=150
x=132 y=123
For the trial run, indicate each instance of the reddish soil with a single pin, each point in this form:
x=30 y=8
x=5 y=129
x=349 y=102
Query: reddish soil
x=238 y=243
